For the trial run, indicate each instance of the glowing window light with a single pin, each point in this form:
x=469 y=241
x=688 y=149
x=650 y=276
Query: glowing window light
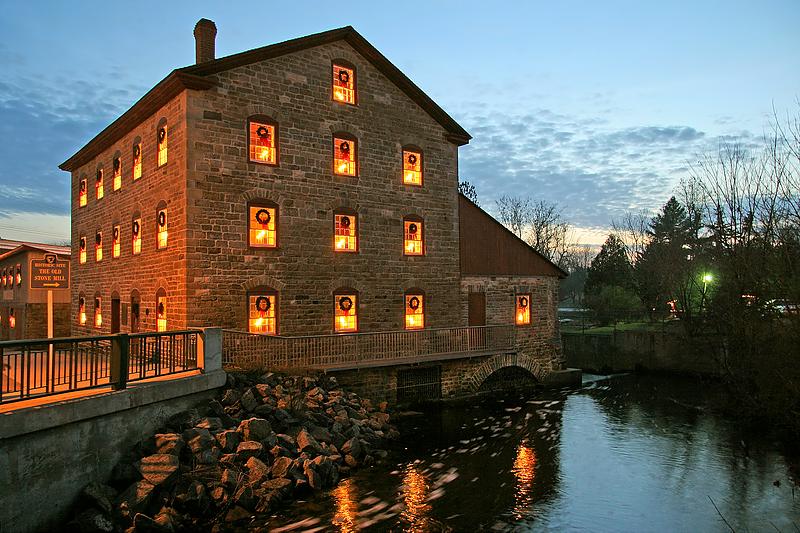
x=117 y=177
x=413 y=237
x=412 y=168
x=345 y=233
x=82 y=311
x=162 y=229
x=98 y=313
x=344 y=84
x=98 y=184
x=83 y=197
x=523 y=309
x=161 y=313
x=98 y=246
x=19 y=275
x=415 y=311
x=263 y=144
x=161 y=138
x=263 y=227
x=346 y=313
x=115 y=242
x=12 y=320
x=136 y=233
x=261 y=314
x=137 y=161
x=82 y=250
x=4 y=277
x=344 y=157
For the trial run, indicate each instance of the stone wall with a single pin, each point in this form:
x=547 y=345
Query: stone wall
x=295 y=91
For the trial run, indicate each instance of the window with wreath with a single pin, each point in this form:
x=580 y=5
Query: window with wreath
x=262 y=312
x=263 y=225
x=137 y=161
x=116 y=242
x=98 y=312
x=116 y=168
x=83 y=195
x=345 y=308
x=161 y=228
x=12 y=320
x=344 y=155
x=345 y=232
x=412 y=237
x=98 y=246
x=82 y=249
x=263 y=141
x=415 y=310
x=161 y=310
x=98 y=184
x=82 y=310
x=18 y=277
x=136 y=234
x=161 y=143
x=344 y=84
x=412 y=167
x=523 y=309
x=4 y=278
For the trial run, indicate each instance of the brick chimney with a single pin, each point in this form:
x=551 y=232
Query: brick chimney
x=205 y=33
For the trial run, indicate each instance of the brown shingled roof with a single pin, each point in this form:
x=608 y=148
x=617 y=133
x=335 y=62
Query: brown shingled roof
x=7 y=251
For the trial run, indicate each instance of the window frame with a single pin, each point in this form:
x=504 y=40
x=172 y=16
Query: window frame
x=419 y=220
x=527 y=319
x=98 y=311
x=265 y=204
x=137 y=142
x=267 y=121
x=82 y=252
x=83 y=195
x=116 y=242
x=262 y=290
x=116 y=174
x=99 y=184
x=346 y=291
x=350 y=66
x=162 y=207
x=82 y=309
x=348 y=213
x=345 y=136
x=412 y=148
x=162 y=293
x=162 y=124
x=137 y=218
x=410 y=293
x=98 y=246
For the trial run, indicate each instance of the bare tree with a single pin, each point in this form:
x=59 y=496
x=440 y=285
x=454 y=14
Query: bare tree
x=632 y=230
x=468 y=189
x=513 y=212
x=547 y=232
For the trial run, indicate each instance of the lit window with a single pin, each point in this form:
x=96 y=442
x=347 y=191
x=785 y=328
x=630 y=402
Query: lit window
x=161 y=312
x=262 y=226
x=98 y=184
x=117 y=166
x=412 y=168
x=346 y=233
x=344 y=156
x=115 y=242
x=136 y=232
x=415 y=314
x=82 y=250
x=137 y=161
x=162 y=229
x=82 y=311
x=98 y=313
x=523 y=311
x=346 y=313
x=162 y=145
x=344 y=84
x=19 y=275
x=4 y=278
x=262 y=313
x=83 y=196
x=413 y=237
x=12 y=320
x=263 y=143
x=98 y=246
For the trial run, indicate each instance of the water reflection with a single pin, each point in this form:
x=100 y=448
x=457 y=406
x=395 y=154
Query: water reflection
x=346 y=504
x=415 y=493
x=524 y=470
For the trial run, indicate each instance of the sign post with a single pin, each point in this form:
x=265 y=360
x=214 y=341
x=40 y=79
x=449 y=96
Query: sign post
x=49 y=273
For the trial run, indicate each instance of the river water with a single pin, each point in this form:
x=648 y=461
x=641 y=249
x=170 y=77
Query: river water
x=627 y=453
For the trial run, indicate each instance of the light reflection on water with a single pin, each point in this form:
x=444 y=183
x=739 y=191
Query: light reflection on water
x=414 y=494
x=524 y=471
x=345 y=497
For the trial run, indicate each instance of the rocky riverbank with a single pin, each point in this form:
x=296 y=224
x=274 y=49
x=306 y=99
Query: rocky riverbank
x=265 y=440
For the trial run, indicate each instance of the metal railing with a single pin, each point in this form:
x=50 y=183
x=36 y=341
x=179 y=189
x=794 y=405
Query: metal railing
x=354 y=350
x=42 y=367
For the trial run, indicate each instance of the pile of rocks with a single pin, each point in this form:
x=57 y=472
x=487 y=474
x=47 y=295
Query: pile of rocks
x=265 y=440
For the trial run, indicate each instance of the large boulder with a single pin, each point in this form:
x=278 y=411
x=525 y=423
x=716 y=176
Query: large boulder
x=198 y=439
x=307 y=443
x=135 y=498
x=257 y=470
x=248 y=449
x=249 y=401
x=159 y=469
x=228 y=440
x=256 y=429
x=171 y=443
x=280 y=467
x=352 y=447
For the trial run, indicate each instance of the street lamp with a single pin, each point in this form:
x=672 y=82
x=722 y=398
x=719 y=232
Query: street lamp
x=707 y=278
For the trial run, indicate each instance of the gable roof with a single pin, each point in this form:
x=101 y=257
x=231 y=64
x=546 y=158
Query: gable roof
x=488 y=248
x=194 y=77
x=35 y=247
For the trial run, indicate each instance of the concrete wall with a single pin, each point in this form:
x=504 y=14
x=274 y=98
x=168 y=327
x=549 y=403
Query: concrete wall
x=49 y=453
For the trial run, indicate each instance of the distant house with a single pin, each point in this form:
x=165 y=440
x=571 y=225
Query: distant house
x=303 y=188
x=23 y=311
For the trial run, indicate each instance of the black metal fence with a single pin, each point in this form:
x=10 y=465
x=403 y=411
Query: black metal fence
x=41 y=367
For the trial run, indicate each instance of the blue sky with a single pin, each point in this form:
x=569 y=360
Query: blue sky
x=598 y=106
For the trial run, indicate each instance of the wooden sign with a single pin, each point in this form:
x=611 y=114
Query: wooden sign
x=49 y=273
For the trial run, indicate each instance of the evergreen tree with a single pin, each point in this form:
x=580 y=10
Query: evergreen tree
x=610 y=267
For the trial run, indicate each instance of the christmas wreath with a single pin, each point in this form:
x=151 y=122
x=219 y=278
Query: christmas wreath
x=263 y=304
x=345 y=303
x=263 y=217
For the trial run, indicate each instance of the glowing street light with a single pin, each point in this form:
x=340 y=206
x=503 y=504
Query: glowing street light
x=708 y=277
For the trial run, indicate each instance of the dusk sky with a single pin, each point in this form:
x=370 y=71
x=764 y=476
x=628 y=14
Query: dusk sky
x=598 y=106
